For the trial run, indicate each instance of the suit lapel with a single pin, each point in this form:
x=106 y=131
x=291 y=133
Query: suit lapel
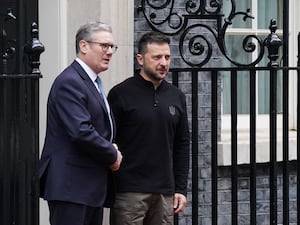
x=89 y=83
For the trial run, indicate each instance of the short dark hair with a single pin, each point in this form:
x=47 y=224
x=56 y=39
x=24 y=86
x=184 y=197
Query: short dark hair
x=149 y=38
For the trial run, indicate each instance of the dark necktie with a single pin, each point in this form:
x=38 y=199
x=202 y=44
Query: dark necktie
x=101 y=91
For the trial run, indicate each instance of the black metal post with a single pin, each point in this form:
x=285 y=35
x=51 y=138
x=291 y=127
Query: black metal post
x=214 y=146
x=234 y=174
x=285 y=114
x=252 y=147
x=195 y=167
x=19 y=146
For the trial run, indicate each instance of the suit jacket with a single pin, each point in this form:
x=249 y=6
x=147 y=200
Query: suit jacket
x=74 y=164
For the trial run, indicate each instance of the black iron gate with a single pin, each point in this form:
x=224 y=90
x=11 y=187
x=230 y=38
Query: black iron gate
x=20 y=50
x=279 y=209
x=251 y=193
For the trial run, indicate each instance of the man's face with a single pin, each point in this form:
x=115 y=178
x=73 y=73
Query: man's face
x=156 y=62
x=93 y=53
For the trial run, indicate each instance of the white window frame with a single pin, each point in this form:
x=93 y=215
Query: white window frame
x=262 y=120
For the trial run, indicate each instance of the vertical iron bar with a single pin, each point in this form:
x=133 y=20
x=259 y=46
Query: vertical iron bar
x=234 y=174
x=35 y=207
x=285 y=99
x=252 y=147
x=6 y=126
x=214 y=146
x=195 y=175
x=285 y=146
x=13 y=149
x=175 y=83
x=285 y=39
x=175 y=78
x=273 y=147
x=203 y=6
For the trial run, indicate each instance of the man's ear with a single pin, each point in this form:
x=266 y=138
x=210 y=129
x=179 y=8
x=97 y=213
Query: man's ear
x=83 y=45
x=140 y=59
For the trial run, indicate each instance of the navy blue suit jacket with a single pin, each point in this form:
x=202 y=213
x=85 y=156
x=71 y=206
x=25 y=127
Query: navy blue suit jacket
x=74 y=165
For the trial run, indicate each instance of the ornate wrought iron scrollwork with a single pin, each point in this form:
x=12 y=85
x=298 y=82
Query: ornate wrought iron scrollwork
x=194 y=7
x=195 y=42
x=199 y=49
x=174 y=20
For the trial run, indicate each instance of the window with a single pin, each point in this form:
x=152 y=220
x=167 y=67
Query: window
x=262 y=11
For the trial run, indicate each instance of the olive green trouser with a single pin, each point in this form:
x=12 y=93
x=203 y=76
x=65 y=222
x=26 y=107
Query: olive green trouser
x=142 y=209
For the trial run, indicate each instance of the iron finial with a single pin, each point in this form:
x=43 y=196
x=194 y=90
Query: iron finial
x=34 y=49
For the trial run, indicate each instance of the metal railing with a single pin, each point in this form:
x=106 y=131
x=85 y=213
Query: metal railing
x=273 y=173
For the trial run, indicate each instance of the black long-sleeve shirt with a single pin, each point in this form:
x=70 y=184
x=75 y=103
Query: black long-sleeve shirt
x=153 y=136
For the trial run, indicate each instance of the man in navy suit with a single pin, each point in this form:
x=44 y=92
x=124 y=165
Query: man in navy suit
x=78 y=154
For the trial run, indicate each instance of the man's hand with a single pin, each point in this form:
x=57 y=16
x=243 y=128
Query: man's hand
x=116 y=165
x=179 y=203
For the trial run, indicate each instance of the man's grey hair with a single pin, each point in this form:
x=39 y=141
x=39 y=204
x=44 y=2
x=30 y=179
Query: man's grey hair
x=86 y=31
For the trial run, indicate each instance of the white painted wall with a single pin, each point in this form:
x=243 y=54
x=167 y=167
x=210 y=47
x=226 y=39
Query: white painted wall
x=53 y=34
x=58 y=23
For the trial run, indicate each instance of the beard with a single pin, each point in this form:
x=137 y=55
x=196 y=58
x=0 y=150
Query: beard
x=152 y=74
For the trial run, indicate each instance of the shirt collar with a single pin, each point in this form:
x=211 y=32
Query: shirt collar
x=141 y=79
x=92 y=75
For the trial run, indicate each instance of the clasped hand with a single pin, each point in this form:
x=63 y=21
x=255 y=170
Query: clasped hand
x=116 y=165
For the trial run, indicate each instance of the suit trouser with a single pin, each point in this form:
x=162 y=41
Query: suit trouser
x=68 y=213
x=142 y=209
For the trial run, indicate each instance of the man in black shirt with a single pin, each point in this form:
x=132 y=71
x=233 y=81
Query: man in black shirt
x=153 y=136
